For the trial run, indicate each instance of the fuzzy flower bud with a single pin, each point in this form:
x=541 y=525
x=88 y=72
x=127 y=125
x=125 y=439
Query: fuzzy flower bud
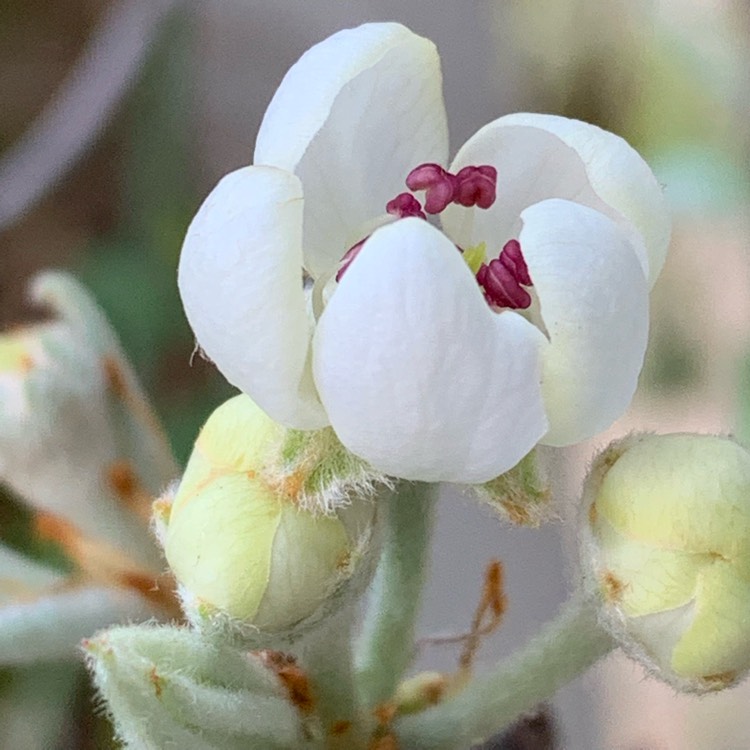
x=171 y=687
x=247 y=556
x=667 y=550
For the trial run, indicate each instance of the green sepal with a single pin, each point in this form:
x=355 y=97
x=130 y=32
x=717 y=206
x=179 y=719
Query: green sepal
x=321 y=472
x=521 y=495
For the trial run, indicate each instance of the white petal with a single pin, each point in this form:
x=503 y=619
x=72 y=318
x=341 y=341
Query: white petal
x=50 y=627
x=547 y=156
x=418 y=375
x=351 y=118
x=619 y=176
x=240 y=278
x=594 y=304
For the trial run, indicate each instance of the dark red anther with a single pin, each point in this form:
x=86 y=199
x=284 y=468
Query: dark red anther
x=476 y=186
x=512 y=258
x=349 y=257
x=438 y=184
x=503 y=277
x=405 y=205
x=472 y=186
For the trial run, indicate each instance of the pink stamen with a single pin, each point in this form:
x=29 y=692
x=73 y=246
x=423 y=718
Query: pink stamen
x=472 y=186
x=438 y=184
x=476 y=186
x=512 y=258
x=405 y=205
x=503 y=277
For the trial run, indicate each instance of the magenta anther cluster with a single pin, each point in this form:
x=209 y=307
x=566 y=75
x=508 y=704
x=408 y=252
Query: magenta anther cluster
x=472 y=186
x=403 y=205
x=504 y=277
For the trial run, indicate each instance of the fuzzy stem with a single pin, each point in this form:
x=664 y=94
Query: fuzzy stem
x=386 y=646
x=327 y=658
x=564 y=648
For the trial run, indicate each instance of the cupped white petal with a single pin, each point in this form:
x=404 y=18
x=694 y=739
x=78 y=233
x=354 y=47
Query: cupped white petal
x=547 y=156
x=351 y=118
x=619 y=176
x=418 y=375
x=594 y=304
x=240 y=278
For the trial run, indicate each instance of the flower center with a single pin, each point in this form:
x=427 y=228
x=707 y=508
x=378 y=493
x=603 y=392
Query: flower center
x=503 y=278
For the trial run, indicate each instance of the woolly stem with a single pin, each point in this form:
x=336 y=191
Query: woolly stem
x=564 y=648
x=327 y=658
x=386 y=646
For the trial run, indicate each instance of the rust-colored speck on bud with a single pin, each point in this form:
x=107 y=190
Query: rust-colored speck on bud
x=434 y=691
x=150 y=588
x=339 y=728
x=612 y=586
x=720 y=681
x=344 y=561
x=518 y=513
x=386 y=742
x=157 y=681
x=122 y=479
x=115 y=378
x=292 y=677
x=384 y=713
x=291 y=485
x=53 y=529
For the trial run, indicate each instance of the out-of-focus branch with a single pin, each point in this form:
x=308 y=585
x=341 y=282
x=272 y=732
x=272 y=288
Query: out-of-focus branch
x=82 y=106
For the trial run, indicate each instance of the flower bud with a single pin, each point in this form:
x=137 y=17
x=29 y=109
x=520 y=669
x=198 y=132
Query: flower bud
x=78 y=439
x=171 y=687
x=242 y=548
x=666 y=548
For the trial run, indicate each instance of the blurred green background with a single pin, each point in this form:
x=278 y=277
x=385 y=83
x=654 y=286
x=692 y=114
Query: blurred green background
x=671 y=76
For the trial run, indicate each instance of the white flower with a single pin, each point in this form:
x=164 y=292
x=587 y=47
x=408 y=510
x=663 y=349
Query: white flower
x=402 y=354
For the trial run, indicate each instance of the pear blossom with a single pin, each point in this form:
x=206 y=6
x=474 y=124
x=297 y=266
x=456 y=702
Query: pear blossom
x=442 y=319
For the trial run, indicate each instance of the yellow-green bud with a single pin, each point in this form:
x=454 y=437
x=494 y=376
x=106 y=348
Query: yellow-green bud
x=240 y=546
x=667 y=550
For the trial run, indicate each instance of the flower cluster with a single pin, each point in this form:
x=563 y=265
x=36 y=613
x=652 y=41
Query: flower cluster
x=388 y=316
